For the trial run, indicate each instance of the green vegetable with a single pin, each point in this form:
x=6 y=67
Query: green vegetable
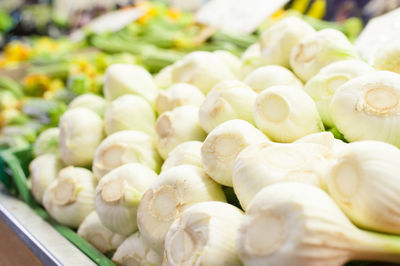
x=79 y=83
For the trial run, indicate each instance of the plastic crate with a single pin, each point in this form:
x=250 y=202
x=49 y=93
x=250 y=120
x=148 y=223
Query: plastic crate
x=14 y=170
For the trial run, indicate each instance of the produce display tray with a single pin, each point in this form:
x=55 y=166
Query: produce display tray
x=13 y=174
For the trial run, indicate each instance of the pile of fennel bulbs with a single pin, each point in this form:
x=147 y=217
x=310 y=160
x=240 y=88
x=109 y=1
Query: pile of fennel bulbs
x=221 y=160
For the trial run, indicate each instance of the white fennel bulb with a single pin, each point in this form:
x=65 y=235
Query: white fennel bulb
x=326 y=139
x=185 y=153
x=267 y=76
x=387 y=57
x=177 y=95
x=364 y=182
x=318 y=50
x=94 y=102
x=135 y=251
x=129 y=146
x=43 y=171
x=123 y=79
x=297 y=224
x=201 y=69
x=129 y=112
x=286 y=114
x=118 y=195
x=323 y=86
x=251 y=60
x=93 y=231
x=47 y=142
x=81 y=131
x=178 y=126
x=230 y=60
x=278 y=41
x=205 y=234
x=223 y=145
x=368 y=107
x=263 y=164
x=163 y=79
x=174 y=190
x=70 y=198
x=226 y=101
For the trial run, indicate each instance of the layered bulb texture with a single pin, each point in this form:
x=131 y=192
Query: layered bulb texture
x=178 y=95
x=118 y=195
x=272 y=75
x=263 y=164
x=91 y=101
x=128 y=146
x=229 y=99
x=298 y=224
x=70 y=197
x=93 y=231
x=367 y=108
x=47 y=142
x=320 y=49
x=135 y=251
x=129 y=112
x=43 y=171
x=177 y=126
x=173 y=191
x=323 y=86
x=81 y=131
x=223 y=145
x=364 y=182
x=286 y=114
x=278 y=41
x=123 y=79
x=205 y=234
x=201 y=69
x=186 y=153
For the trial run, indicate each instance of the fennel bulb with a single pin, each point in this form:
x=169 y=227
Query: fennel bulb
x=70 y=198
x=93 y=231
x=251 y=60
x=278 y=41
x=185 y=153
x=177 y=95
x=47 y=142
x=173 y=191
x=118 y=195
x=320 y=49
x=267 y=76
x=230 y=60
x=387 y=57
x=364 y=182
x=323 y=86
x=129 y=112
x=128 y=146
x=94 y=102
x=297 y=224
x=81 y=131
x=260 y=165
x=367 y=107
x=43 y=171
x=135 y=251
x=178 y=126
x=123 y=79
x=201 y=69
x=229 y=99
x=204 y=234
x=223 y=145
x=163 y=79
x=286 y=114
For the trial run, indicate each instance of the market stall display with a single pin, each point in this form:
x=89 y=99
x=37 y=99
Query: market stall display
x=157 y=147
